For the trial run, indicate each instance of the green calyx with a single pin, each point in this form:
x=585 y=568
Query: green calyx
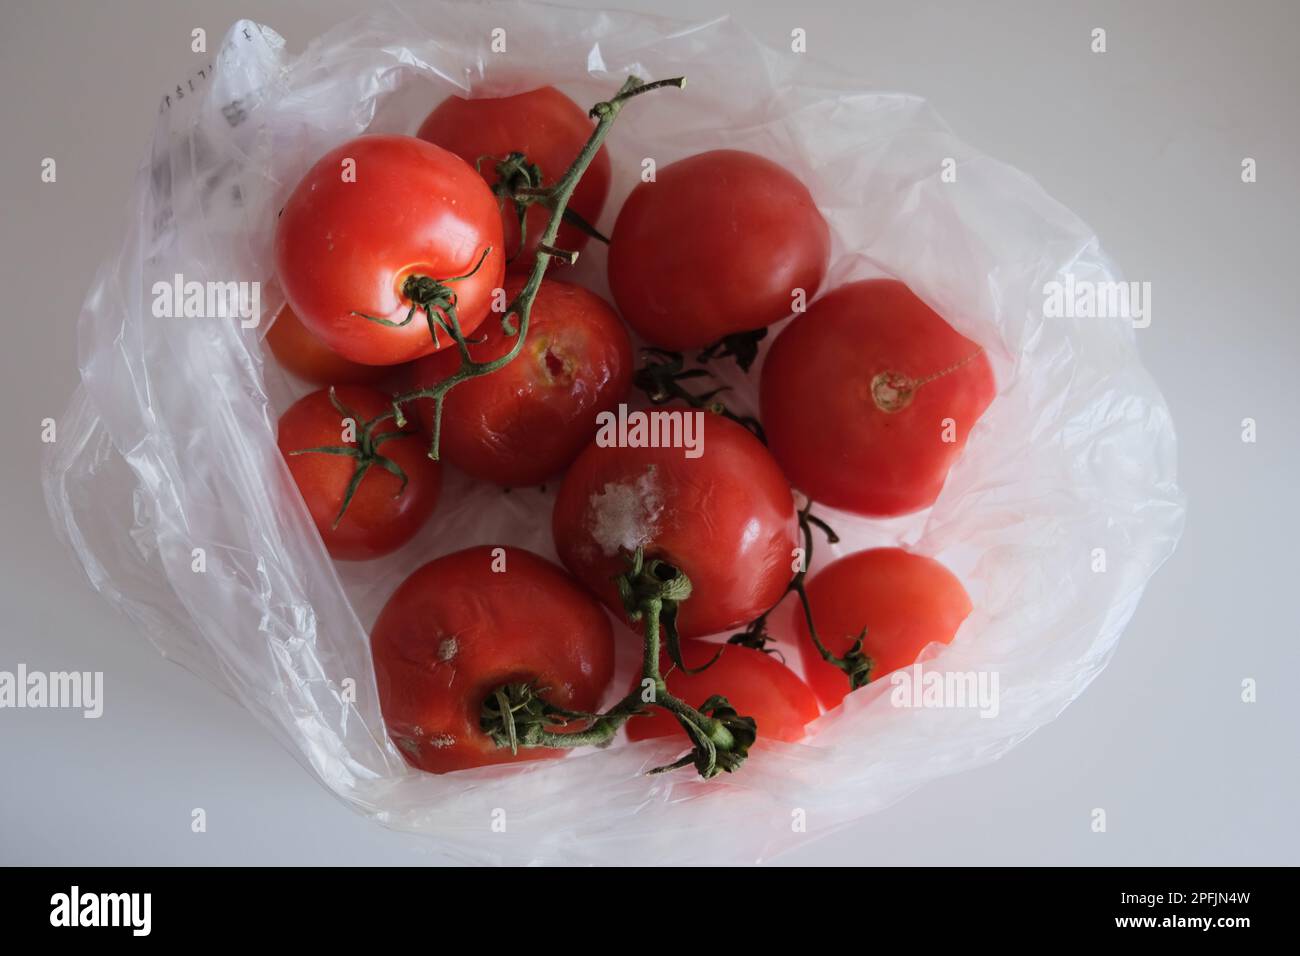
x=661 y=378
x=741 y=346
x=517 y=715
x=365 y=452
x=519 y=183
x=436 y=299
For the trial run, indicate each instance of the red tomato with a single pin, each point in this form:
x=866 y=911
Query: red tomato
x=726 y=519
x=381 y=516
x=756 y=684
x=458 y=628
x=307 y=357
x=716 y=245
x=869 y=396
x=352 y=234
x=904 y=600
x=527 y=421
x=550 y=130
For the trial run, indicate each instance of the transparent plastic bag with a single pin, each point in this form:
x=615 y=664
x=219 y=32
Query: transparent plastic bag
x=169 y=444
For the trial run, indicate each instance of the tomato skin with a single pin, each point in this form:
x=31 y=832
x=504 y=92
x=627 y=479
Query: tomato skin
x=413 y=209
x=379 y=520
x=550 y=130
x=904 y=600
x=756 y=684
x=307 y=357
x=823 y=424
x=455 y=630
x=715 y=245
x=726 y=519
x=527 y=421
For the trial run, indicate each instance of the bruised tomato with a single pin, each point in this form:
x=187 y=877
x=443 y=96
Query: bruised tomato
x=904 y=600
x=868 y=399
x=373 y=221
x=716 y=244
x=755 y=684
x=528 y=420
x=384 y=514
x=550 y=130
x=309 y=358
x=465 y=624
x=725 y=519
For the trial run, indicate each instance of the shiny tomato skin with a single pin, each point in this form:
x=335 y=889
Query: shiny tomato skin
x=456 y=630
x=379 y=520
x=904 y=600
x=717 y=244
x=758 y=685
x=343 y=246
x=726 y=519
x=527 y=421
x=550 y=130
x=834 y=440
x=307 y=357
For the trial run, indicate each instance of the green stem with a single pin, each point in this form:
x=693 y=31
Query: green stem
x=521 y=306
x=518 y=716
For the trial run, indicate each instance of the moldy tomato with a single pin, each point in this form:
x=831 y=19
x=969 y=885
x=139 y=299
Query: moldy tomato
x=465 y=624
x=725 y=519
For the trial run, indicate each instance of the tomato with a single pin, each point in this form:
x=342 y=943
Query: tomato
x=550 y=130
x=904 y=600
x=528 y=420
x=459 y=627
x=353 y=233
x=869 y=396
x=758 y=685
x=381 y=516
x=726 y=519
x=716 y=245
x=307 y=357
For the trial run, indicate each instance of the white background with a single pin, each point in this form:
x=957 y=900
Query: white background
x=1145 y=142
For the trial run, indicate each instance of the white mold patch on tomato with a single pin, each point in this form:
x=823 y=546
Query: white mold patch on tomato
x=625 y=515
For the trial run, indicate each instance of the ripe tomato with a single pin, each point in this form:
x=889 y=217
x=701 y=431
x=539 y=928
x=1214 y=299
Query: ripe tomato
x=550 y=130
x=904 y=600
x=756 y=684
x=716 y=245
x=381 y=516
x=726 y=519
x=372 y=214
x=525 y=422
x=309 y=358
x=458 y=628
x=869 y=396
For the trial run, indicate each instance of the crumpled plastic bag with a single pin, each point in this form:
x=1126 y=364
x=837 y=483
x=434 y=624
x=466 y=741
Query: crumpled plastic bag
x=169 y=443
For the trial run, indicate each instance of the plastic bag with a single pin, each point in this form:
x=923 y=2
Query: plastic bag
x=169 y=445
